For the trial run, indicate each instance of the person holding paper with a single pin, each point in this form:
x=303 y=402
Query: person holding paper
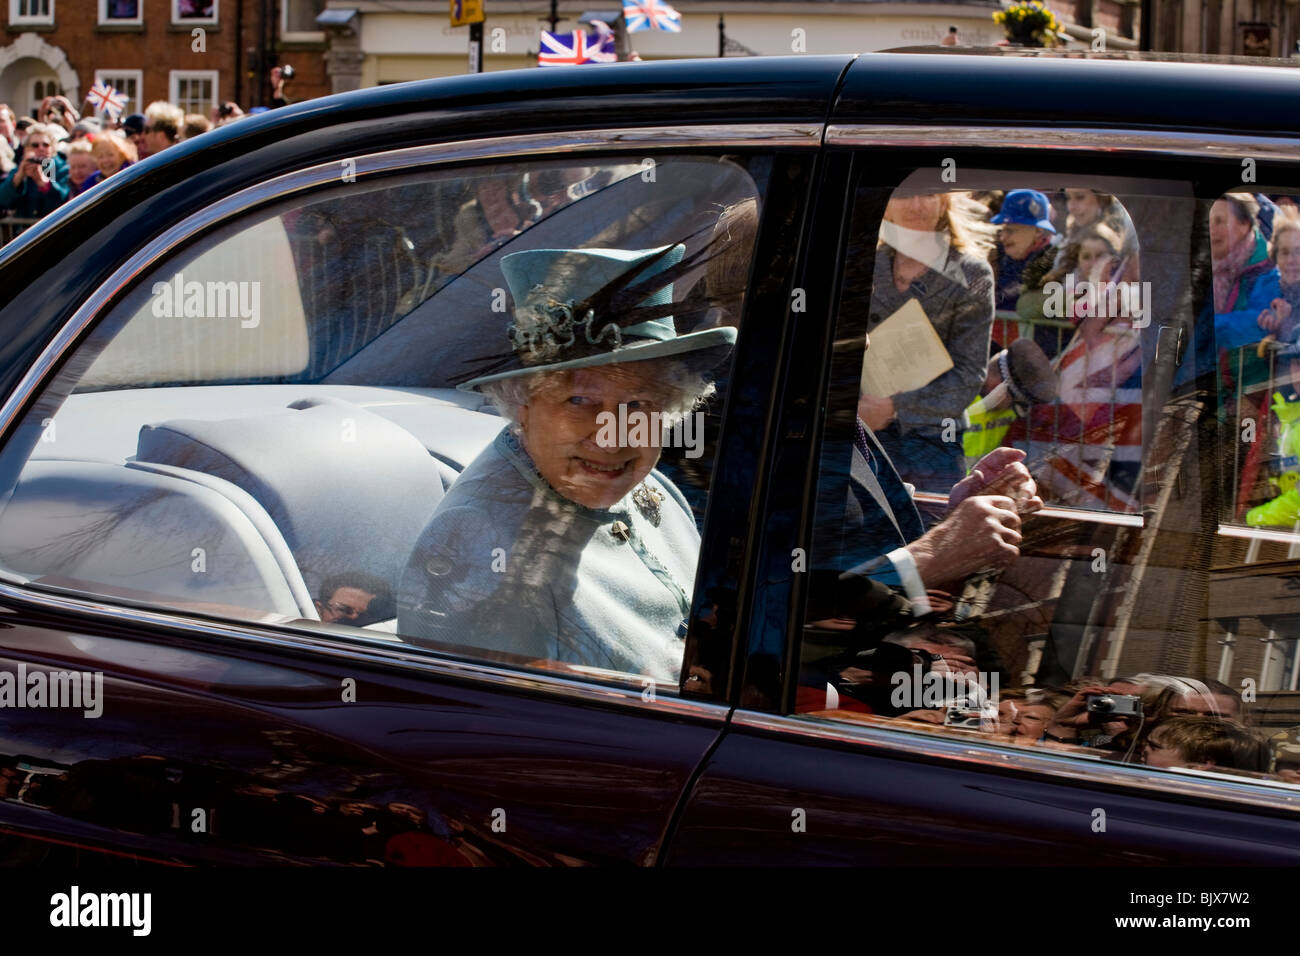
x=932 y=257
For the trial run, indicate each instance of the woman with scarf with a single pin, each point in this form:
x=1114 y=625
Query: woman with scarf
x=933 y=249
x=1241 y=264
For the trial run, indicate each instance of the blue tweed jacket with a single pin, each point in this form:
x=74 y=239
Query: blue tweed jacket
x=509 y=566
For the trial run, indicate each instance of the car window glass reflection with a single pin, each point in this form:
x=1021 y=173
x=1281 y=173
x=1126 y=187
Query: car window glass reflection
x=469 y=410
x=989 y=557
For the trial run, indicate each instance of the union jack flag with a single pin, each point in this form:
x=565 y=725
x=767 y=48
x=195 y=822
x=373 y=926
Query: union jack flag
x=651 y=15
x=573 y=49
x=107 y=100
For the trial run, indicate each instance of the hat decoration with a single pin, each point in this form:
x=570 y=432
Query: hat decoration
x=577 y=308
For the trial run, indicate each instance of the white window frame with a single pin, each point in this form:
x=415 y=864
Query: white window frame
x=136 y=103
x=106 y=20
x=16 y=18
x=186 y=21
x=173 y=85
x=296 y=36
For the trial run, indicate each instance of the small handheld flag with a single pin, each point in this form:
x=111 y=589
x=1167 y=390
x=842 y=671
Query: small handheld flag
x=574 y=49
x=107 y=100
x=651 y=15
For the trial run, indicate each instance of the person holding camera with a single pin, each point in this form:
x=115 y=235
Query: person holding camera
x=279 y=76
x=59 y=111
x=39 y=183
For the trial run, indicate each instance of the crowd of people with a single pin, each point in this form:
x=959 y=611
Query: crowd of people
x=1153 y=719
x=968 y=257
x=1255 y=249
x=48 y=159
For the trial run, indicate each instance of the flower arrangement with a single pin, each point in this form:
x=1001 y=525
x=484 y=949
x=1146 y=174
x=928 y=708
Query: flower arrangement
x=1029 y=22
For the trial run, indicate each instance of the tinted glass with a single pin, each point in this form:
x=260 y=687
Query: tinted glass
x=298 y=418
x=1027 y=328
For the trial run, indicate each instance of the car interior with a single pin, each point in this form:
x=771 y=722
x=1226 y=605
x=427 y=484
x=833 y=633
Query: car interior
x=230 y=461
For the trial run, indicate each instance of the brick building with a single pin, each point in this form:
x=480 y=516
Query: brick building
x=196 y=53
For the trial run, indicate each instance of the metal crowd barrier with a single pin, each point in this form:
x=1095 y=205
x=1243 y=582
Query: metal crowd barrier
x=11 y=226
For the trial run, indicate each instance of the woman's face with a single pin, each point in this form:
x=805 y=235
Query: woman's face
x=1226 y=230
x=570 y=429
x=1091 y=252
x=922 y=213
x=1288 y=256
x=81 y=166
x=40 y=146
x=107 y=159
x=1030 y=720
x=1083 y=206
x=1007 y=710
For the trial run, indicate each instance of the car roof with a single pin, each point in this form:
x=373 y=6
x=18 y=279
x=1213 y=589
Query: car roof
x=934 y=88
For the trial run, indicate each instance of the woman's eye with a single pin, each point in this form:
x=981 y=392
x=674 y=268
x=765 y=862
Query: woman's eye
x=577 y=399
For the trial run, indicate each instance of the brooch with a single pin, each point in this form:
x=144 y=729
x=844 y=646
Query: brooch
x=647 y=501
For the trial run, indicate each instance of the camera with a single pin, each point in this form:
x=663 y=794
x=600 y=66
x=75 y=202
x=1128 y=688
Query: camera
x=1114 y=705
x=965 y=716
x=226 y=109
x=286 y=72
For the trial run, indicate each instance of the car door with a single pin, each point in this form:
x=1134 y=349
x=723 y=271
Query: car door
x=260 y=402
x=1127 y=581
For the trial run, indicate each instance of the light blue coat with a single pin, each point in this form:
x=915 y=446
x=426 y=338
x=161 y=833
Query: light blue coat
x=508 y=565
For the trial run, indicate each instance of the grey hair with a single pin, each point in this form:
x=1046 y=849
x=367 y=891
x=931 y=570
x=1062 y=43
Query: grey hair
x=932 y=636
x=682 y=388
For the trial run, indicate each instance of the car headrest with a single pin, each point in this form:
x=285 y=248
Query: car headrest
x=349 y=490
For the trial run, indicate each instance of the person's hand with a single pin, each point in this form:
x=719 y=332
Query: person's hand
x=20 y=171
x=953 y=661
x=941 y=602
x=37 y=172
x=1268 y=320
x=875 y=412
x=981 y=532
x=1073 y=715
x=1001 y=472
x=1282 y=309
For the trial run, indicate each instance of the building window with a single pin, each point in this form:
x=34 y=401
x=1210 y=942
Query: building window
x=194 y=91
x=119 y=11
x=129 y=82
x=31 y=11
x=194 y=11
x=298 y=20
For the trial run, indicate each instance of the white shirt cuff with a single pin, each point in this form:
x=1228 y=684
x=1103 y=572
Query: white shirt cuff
x=910 y=578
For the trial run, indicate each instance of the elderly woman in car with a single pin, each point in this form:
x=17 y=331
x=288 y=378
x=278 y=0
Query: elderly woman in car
x=561 y=542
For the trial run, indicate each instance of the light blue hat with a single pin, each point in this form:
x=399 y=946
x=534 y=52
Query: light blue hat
x=566 y=313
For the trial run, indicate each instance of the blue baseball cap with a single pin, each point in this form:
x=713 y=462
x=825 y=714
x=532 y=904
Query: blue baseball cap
x=1027 y=207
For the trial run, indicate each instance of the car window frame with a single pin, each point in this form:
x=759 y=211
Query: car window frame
x=159 y=623
x=987 y=148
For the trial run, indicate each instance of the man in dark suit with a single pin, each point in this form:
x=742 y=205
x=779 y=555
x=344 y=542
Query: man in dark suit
x=876 y=542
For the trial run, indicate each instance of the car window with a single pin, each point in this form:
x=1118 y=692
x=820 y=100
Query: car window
x=468 y=410
x=1028 y=326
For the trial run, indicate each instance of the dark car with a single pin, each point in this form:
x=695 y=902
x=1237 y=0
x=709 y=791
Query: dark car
x=232 y=411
